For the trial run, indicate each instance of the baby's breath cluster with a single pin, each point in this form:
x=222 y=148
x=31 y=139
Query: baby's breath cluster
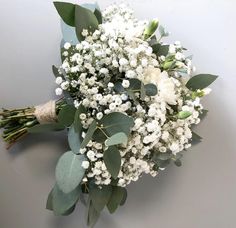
x=98 y=72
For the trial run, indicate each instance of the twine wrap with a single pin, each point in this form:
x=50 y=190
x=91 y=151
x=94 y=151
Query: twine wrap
x=46 y=113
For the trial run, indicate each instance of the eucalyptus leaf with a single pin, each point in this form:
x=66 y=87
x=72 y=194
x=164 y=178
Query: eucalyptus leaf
x=160 y=49
x=74 y=140
x=150 y=89
x=178 y=162
x=89 y=134
x=115 y=199
x=55 y=71
x=125 y=194
x=62 y=202
x=98 y=15
x=69 y=171
x=163 y=31
x=84 y=19
x=117 y=122
x=100 y=196
x=42 y=128
x=111 y=124
x=66 y=11
x=154 y=44
x=112 y=159
x=118 y=138
x=162 y=164
x=49 y=204
x=83 y=198
x=93 y=215
x=118 y=87
x=68 y=34
x=66 y=115
x=68 y=212
x=164 y=156
x=196 y=138
x=77 y=121
x=67 y=97
x=203 y=114
x=135 y=85
x=200 y=81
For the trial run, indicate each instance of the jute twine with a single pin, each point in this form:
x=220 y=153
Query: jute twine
x=46 y=113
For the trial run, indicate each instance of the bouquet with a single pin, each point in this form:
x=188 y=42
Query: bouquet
x=128 y=101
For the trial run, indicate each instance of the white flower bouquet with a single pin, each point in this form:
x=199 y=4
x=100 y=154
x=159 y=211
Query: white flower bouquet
x=128 y=101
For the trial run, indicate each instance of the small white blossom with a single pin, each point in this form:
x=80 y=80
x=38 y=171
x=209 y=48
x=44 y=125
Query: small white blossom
x=58 y=91
x=85 y=164
x=67 y=45
x=125 y=83
x=59 y=80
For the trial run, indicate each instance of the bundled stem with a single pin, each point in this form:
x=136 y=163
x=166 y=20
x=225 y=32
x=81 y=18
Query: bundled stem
x=15 y=123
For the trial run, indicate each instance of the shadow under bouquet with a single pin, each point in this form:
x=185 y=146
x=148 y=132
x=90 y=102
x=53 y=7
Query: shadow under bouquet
x=128 y=101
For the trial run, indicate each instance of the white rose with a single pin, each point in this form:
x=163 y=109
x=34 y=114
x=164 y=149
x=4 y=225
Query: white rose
x=165 y=85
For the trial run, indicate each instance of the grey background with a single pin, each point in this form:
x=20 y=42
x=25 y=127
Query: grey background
x=201 y=194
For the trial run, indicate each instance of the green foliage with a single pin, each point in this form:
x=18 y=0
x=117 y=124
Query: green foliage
x=62 y=202
x=203 y=114
x=66 y=115
x=125 y=194
x=93 y=215
x=112 y=159
x=74 y=140
x=115 y=199
x=69 y=171
x=55 y=71
x=163 y=32
x=196 y=138
x=150 y=89
x=184 y=114
x=136 y=86
x=178 y=162
x=89 y=134
x=84 y=19
x=200 y=81
x=98 y=15
x=118 y=138
x=49 y=204
x=100 y=196
x=66 y=11
x=164 y=156
x=119 y=88
x=162 y=50
x=77 y=121
x=42 y=128
x=151 y=29
x=162 y=159
x=111 y=124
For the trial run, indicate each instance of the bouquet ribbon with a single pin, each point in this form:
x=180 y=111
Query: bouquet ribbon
x=46 y=113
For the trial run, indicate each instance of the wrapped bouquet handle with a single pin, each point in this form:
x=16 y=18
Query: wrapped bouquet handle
x=46 y=113
x=19 y=122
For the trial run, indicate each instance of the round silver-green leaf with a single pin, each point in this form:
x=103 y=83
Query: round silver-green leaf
x=118 y=138
x=69 y=171
x=74 y=140
x=100 y=196
x=112 y=159
x=62 y=202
